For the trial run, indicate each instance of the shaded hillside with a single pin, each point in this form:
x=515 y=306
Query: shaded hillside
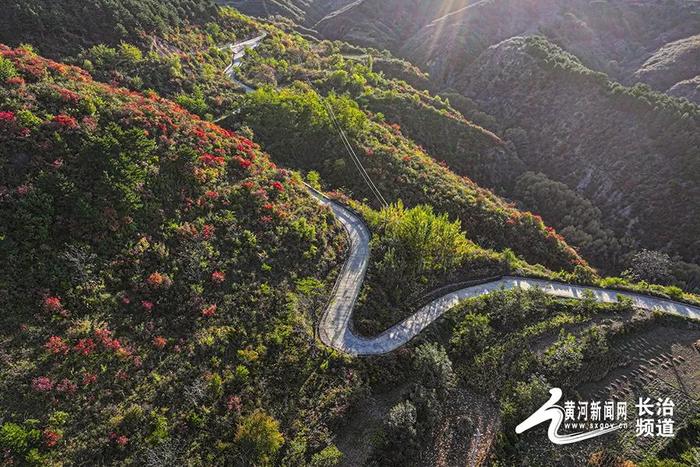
x=614 y=37
x=617 y=37
x=163 y=277
x=65 y=27
x=384 y=24
x=687 y=89
x=629 y=150
x=428 y=120
x=303 y=12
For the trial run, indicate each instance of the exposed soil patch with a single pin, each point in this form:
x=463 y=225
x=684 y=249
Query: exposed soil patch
x=355 y=440
x=466 y=433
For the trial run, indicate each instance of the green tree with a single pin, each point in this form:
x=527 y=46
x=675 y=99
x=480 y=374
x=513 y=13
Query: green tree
x=415 y=244
x=400 y=444
x=259 y=437
x=472 y=334
x=7 y=69
x=434 y=368
x=328 y=457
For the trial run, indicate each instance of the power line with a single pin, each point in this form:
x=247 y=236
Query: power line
x=356 y=160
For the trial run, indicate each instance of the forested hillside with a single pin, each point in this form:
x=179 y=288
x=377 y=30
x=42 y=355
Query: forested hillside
x=643 y=40
x=160 y=271
x=613 y=36
x=65 y=27
x=303 y=12
x=629 y=150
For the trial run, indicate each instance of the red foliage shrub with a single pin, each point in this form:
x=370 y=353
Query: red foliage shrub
x=89 y=378
x=211 y=160
x=16 y=81
x=209 y=311
x=207 y=231
x=56 y=346
x=7 y=116
x=65 y=121
x=66 y=386
x=85 y=346
x=244 y=163
x=68 y=96
x=51 y=438
x=233 y=404
x=157 y=280
x=42 y=384
x=218 y=277
x=53 y=304
x=278 y=186
x=159 y=342
x=104 y=336
x=119 y=440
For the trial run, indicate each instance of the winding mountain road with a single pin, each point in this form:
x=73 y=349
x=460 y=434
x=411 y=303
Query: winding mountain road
x=239 y=50
x=335 y=327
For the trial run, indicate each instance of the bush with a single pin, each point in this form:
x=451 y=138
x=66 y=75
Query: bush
x=259 y=437
x=434 y=368
x=14 y=437
x=7 y=69
x=328 y=457
x=564 y=359
x=471 y=335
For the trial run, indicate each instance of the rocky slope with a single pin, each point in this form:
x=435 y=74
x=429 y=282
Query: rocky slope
x=674 y=62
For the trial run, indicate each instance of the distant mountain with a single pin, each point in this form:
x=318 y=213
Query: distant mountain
x=304 y=12
x=442 y=36
x=384 y=24
x=611 y=36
